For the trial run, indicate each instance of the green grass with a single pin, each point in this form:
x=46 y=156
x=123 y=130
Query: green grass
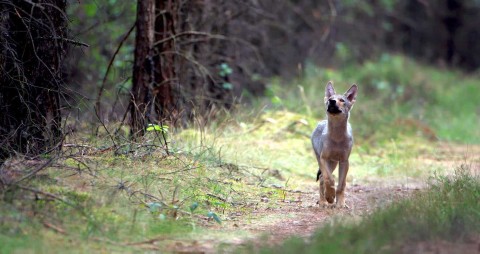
x=448 y=210
x=139 y=192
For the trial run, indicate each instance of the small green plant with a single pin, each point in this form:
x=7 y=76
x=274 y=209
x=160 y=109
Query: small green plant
x=193 y=207
x=214 y=216
x=224 y=72
x=156 y=127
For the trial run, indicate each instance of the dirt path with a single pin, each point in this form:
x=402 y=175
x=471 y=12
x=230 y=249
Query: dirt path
x=299 y=215
x=303 y=218
x=273 y=222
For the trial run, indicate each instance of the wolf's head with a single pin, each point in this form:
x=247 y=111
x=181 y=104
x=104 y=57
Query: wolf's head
x=339 y=104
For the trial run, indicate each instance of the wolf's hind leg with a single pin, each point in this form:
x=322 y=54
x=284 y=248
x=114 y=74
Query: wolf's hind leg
x=342 y=182
x=322 y=201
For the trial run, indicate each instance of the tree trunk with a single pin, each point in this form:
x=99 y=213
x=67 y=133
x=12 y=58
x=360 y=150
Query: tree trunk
x=165 y=77
x=32 y=45
x=143 y=67
x=452 y=21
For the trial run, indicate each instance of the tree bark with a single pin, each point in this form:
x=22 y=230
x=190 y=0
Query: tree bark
x=143 y=67
x=165 y=76
x=452 y=21
x=33 y=46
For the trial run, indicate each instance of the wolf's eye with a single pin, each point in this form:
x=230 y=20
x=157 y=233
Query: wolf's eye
x=342 y=100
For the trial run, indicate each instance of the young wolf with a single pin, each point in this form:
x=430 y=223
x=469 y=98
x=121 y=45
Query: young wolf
x=332 y=142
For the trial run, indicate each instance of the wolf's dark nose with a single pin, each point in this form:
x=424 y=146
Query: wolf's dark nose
x=332 y=102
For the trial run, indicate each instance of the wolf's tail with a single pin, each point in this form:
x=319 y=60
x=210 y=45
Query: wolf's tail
x=319 y=173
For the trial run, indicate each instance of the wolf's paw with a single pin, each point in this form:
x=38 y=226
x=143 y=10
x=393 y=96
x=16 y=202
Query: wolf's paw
x=342 y=206
x=330 y=194
x=327 y=205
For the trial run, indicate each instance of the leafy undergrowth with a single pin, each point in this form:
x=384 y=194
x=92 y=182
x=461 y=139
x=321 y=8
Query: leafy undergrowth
x=105 y=193
x=448 y=210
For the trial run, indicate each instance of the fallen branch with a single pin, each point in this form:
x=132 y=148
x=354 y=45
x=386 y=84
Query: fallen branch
x=34 y=172
x=46 y=194
x=55 y=228
x=150 y=241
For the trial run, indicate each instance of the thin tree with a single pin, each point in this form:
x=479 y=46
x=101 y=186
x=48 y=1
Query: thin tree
x=164 y=59
x=142 y=67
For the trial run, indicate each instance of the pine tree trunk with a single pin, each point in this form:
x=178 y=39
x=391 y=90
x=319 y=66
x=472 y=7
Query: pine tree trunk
x=165 y=77
x=143 y=67
x=32 y=45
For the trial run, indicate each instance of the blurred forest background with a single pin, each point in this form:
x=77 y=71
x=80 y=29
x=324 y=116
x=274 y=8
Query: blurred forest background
x=169 y=62
x=125 y=120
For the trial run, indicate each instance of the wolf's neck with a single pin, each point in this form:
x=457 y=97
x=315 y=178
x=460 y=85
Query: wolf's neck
x=337 y=128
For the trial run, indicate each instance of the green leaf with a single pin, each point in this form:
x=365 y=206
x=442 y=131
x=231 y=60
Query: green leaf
x=156 y=127
x=276 y=100
x=193 y=206
x=215 y=217
x=154 y=207
x=227 y=86
x=256 y=77
x=225 y=70
x=91 y=9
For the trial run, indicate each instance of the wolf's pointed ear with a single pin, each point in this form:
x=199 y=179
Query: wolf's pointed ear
x=329 y=91
x=351 y=94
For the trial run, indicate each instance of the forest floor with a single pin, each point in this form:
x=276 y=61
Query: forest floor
x=262 y=204
x=248 y=178
x=301 y=216
x=262 y=195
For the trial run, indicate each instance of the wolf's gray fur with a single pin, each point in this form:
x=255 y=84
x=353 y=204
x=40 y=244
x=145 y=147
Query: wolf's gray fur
x=332 y=142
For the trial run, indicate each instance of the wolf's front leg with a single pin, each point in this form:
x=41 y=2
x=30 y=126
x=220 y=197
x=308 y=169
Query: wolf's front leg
x=342 y=179
x=328 y=181
x=323 y=200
